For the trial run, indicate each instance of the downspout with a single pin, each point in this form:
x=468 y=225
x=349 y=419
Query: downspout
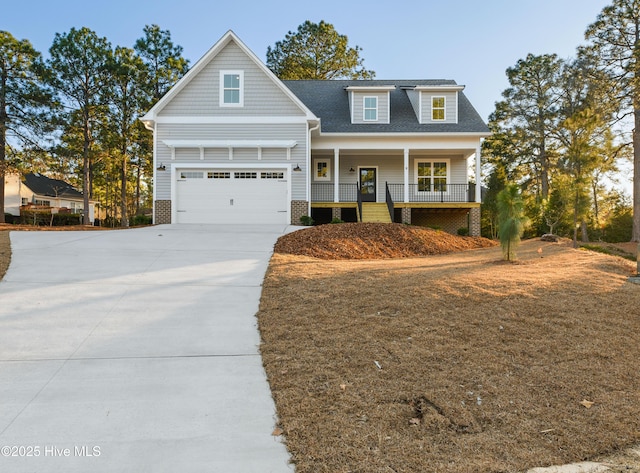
x=150 y=125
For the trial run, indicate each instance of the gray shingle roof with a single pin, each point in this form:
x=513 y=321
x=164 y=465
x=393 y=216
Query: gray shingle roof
x=43 y=185
x=329 y=101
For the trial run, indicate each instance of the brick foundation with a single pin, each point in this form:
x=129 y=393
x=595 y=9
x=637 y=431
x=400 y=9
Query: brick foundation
x=474 y=222
x=336 y=212
x=298 y=209
x=163 y=212
x=406 y=215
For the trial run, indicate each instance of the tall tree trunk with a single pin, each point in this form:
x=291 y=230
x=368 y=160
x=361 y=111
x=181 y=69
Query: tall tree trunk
x=596 y=207
x=85 y=168
x=584 y=231
x=138 y=178
x=636 y=172
x=3 y=143
x=124 y=219
x=575 y=220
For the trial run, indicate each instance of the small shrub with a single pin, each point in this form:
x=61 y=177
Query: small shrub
x=337 y=220
x=61 y=220
x=306 y=221
x=464 y=231
x=437 y=228
x=141 y=220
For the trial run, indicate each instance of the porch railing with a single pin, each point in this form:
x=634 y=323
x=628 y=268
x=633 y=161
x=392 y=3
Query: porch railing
x=348 y=192
x=441 y=193
x=359 y=197
x=389 y=200
x=324 y=192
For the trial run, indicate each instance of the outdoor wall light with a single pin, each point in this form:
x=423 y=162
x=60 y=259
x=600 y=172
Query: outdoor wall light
x=297 y=168
x=162 y=167
x=352 y=170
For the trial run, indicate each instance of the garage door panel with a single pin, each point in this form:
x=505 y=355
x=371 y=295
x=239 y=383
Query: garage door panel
x=232 y=196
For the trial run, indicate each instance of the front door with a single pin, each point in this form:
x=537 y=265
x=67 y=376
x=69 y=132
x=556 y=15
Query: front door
x=368 y=184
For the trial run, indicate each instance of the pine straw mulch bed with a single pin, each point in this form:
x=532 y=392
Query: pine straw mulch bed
x=452 y=363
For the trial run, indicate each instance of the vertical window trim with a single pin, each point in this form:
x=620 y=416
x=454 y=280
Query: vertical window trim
x=443 y=108
x=315 y=169
x=365 y=108
x=240 y=75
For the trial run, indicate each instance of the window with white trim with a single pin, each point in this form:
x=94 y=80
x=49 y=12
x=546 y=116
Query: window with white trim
x=321 y=170
x=218 y=175
x=245 y=175
x=432 y=176
x=231 y=88
x=437 y=108
x=370 y=109
x=191 y=175
x=272 y=175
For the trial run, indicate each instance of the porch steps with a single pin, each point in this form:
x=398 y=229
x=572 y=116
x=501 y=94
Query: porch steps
x=375 y=212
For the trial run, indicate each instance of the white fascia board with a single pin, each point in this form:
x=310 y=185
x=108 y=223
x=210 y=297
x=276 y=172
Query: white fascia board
x=237 y=120
x=370 y=88
x=439 y=88
x=230 y=143
x=423 y=134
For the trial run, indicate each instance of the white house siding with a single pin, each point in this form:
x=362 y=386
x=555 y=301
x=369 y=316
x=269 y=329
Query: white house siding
x=201 y=96
x=251 y=132
x=451 y=106
x=12 y=200
x=358 y=106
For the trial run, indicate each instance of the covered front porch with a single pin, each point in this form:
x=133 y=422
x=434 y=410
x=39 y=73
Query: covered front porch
x=425 y=187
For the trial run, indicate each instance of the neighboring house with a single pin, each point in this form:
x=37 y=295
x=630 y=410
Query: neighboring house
x=37 y=191
x=234 y=144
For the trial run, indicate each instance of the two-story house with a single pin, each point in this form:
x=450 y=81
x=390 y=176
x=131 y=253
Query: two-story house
x=235 y=144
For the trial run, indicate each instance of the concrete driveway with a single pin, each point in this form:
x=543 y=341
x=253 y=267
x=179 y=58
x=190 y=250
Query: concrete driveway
x=136 y=351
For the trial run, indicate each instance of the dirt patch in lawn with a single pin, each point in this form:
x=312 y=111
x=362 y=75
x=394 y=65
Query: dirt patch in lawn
x=453 y=363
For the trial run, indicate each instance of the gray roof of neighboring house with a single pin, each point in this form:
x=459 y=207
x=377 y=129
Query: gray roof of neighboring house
x=42 y=185
x=329 y=101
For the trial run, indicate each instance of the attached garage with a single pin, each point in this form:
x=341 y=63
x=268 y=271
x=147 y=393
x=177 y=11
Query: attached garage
x=231 y=195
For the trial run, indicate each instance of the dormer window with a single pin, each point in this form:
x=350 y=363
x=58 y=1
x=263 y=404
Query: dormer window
x=231 y=88
x=370 y=103
x=370 y=109
x=437 y=108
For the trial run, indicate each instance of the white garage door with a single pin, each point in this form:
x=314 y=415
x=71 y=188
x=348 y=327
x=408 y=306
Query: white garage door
x=231 y=196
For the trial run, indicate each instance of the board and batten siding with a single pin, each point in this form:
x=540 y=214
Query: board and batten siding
x=451 y=106
x=201 y=96
x=357 y=104
x=250 y=132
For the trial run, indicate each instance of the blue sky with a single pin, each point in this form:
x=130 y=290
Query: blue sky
x=470 y=41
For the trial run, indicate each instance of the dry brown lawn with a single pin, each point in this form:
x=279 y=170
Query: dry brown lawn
x=448 y=363
x=453 y=363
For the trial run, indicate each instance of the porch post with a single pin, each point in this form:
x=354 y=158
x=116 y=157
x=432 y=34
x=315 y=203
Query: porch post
x=478 y=164
x=406 y=174
x=336 y=179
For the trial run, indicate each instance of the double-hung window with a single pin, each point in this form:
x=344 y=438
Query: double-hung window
x=432 y=176
x=437 y=108
x=231 y=88
x=370 y=109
